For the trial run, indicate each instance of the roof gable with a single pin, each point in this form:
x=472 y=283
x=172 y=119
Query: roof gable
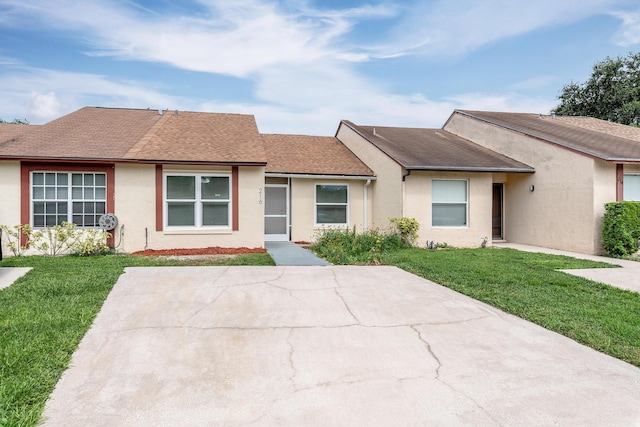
x=316 y=155
x=586 y=135
x=435 y=149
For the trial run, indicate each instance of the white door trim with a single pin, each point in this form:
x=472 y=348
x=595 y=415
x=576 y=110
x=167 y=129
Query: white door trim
x=278 y=237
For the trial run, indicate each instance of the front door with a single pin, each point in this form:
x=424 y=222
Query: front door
x=496 y=216
x=276 y=212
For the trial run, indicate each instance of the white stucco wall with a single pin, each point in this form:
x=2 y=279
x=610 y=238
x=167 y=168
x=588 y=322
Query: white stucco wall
x=9 y=197
x=385 y=193
x=303 y=228
x=418 y=205
x=561 y=212
x=135 y=206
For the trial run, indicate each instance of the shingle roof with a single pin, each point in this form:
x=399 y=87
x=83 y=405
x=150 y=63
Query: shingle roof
x=436 y=149
x=316 y=155
x=114 y=134
x=589 y=136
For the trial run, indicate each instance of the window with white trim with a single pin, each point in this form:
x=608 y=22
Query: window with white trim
x=631 y=187
x=449 y=203
x=197 y=201
x=332 y=204
x=77 y=197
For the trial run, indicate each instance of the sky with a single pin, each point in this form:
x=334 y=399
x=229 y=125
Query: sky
x=301 y=66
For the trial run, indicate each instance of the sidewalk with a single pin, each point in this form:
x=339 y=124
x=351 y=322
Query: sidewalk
x=627 y=277
x=288 y=253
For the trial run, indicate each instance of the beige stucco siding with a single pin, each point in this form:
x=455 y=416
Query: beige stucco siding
x=303 y=226
x=385 y=193
x=561 y=210
x=9 y=197
x=135 y=206
x=418 y=205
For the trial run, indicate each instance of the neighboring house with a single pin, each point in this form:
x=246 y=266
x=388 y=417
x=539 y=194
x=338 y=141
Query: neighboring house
x=173 y=179
x=312 y=183
x=453 y=187
x=581 y=163
x=183 y=179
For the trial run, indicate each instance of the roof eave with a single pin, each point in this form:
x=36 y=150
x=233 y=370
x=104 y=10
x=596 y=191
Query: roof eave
x=318 y=176
x=470 y=169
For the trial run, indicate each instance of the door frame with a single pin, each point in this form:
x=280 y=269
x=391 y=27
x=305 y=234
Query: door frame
x=500 y=186
x=279 y=237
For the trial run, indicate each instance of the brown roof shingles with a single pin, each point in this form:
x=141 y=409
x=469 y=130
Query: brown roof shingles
x=117 y=134
x=316 y=155
x=436 y=149
x=593 y=137
x=203 y=137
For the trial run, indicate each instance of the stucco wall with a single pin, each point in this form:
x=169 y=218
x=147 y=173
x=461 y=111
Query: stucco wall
x=418 y=206
x=303 y=227
x=385 y=194
x=9 y=197
x=560 y=212
x=135 y=207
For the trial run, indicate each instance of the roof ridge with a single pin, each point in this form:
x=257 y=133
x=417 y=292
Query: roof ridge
x=139 y=146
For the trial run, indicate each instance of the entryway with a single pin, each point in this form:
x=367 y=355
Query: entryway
x=496 y=215
x=276 y=212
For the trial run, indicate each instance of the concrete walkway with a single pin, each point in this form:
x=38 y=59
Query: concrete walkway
x=289 y=253
x=8 y=275
x=327 y=346
x=627 y=277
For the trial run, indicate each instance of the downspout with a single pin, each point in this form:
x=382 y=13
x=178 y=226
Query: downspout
x=364 y=219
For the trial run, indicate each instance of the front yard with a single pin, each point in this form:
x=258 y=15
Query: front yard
x=45 y=314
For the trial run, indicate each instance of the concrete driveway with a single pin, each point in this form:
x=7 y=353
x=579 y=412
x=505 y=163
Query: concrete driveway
x=327 y=346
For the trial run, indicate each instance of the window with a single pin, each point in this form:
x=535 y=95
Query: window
x=449 y=203
x=198 y=201
x=332 y=204
x=72 y=197
x=632 y=187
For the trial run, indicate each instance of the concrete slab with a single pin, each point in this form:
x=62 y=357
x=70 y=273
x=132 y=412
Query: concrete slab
x=327 y=346
x=8 y=275
x=627 y=277
x=289 y=253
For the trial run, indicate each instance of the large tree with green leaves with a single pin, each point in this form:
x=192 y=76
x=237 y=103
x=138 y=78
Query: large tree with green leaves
x=611 y=93
x=16 y=121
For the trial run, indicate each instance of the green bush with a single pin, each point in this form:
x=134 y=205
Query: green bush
x=621 y=228
x=407 y=228
x=346 y=246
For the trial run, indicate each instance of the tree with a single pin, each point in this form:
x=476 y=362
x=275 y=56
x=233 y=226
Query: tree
x=16 y=121
x=611 y=93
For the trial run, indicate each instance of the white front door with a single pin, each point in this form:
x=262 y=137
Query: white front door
x=276 y=212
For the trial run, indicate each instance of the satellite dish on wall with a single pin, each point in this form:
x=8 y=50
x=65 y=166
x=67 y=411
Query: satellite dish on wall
x=108 y=222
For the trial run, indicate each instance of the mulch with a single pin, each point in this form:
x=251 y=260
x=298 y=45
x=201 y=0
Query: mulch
x=213 y=250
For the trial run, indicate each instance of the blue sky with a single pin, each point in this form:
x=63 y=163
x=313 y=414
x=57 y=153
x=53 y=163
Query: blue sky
x=300 y=66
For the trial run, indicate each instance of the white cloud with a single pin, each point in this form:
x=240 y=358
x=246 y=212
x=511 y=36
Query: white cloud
x=44 y=106
x=629 y=32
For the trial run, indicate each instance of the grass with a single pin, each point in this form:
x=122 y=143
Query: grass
x=45 y=314
x=528 y=285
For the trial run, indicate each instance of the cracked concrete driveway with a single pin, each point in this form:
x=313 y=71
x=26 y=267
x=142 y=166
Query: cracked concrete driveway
x=332 y=346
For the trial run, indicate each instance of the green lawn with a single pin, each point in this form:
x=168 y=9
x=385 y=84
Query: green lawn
x=45 y=314
x=528 y=285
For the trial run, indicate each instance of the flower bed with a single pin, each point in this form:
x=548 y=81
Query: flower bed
x=214 y=250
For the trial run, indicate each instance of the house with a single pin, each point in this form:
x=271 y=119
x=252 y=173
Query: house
x=177 y=179
x=184 y=179
x=452 y=186
x=311 y=183
x=580 y=164
x=173 y=179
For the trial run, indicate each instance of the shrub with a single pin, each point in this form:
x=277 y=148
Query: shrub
x=407 y=228
x=346 y=246
x=13 y=237
x=621 y=228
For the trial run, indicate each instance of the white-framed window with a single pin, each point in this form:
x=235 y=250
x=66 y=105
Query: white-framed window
x=332 y=204
x=631 y=187
x=449 y=202
x=77 y=197
x=197 y=200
